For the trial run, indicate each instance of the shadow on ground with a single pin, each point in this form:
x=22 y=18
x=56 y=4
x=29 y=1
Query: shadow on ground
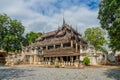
x=113 y=73
x=12 y=73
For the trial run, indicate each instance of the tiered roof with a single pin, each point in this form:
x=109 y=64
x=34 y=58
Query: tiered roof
x=54 y=37
x=62 y=35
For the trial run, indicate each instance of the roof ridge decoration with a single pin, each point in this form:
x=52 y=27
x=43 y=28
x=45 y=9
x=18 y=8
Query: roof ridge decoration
x=64 y=21
x=62 y=28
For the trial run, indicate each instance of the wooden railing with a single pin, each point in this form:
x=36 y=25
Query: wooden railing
x=66 y=50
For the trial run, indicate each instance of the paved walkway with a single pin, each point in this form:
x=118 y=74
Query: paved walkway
x=40 y=73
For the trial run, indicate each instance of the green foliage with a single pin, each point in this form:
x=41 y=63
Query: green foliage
x=4 y=21
x=11 y=32
x=30 y=37
x=86 y=61
x=95 y=36
x=109 y=16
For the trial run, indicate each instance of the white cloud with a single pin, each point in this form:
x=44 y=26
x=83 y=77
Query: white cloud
x=77 y=16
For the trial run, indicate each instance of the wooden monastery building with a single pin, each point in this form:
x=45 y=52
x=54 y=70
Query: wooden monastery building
x=64 y=44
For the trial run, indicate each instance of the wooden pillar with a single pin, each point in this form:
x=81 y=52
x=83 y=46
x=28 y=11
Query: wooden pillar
x=50 y=59
x=61 y=59
x=67 y=58
x=76 y=47
x=71 y=58
x=76 y=58
x=45 y=60
x=79 y=58
x=53 y=59
x=71 y=43
x=61 y=45
x=54 y=46
x=80 y=48
x=46 y=47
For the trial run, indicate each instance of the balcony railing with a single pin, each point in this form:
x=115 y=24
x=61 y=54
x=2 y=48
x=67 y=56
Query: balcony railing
x=59 y=50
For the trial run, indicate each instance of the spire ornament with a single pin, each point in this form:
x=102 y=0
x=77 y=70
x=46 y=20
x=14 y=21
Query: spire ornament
x=64 y=21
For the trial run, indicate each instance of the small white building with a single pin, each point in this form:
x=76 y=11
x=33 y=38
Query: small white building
x=95 y=57
x=111 y=56
x=117 y=56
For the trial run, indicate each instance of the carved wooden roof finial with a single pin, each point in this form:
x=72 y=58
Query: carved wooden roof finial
x=64 y=21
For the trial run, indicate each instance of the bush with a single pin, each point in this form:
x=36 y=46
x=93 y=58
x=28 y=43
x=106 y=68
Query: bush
x=86 y=61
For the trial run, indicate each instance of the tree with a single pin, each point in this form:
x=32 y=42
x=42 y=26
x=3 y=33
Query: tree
x=109 y=16
x=95 y=36
x=31 y=36
x=4 y=21
x=11 y=32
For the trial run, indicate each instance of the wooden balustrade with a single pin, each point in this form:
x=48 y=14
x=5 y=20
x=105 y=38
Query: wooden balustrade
x=66 y=50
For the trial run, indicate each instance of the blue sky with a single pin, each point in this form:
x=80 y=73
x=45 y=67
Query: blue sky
x=47 y=15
